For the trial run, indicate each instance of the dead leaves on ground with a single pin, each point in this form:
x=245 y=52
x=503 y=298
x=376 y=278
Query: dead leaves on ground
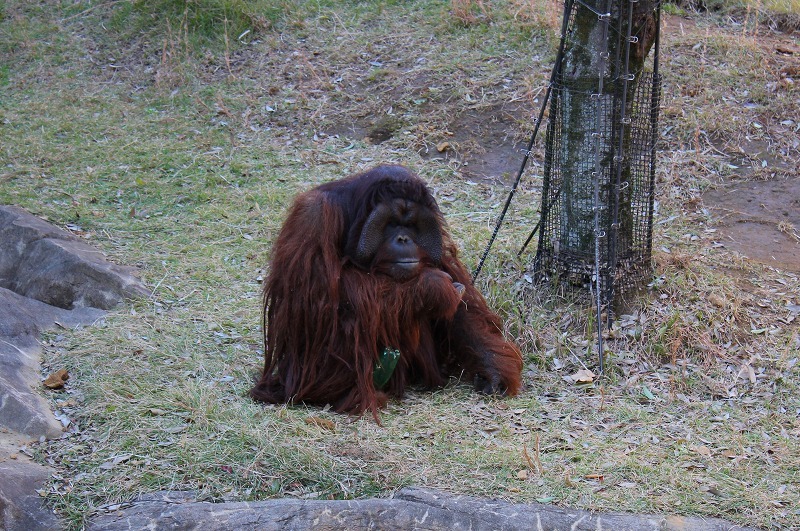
x=583 y=376
x=319 y=422
x=56 y=380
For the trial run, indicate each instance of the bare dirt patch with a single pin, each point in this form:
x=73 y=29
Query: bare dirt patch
x=483 y=144
x=760 y=219
x=757 y=208
x=756 y=204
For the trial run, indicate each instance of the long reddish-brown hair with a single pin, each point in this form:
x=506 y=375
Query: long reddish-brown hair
x=327 y=317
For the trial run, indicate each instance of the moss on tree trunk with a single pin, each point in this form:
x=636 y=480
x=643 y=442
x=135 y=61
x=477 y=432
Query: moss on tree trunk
x=584 y=106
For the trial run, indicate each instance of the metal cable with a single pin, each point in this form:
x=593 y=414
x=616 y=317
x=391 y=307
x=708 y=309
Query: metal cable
x=598 y=234
x=559 y=56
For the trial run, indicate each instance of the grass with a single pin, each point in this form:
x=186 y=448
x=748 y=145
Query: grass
x=780 y=14
x=177 y=148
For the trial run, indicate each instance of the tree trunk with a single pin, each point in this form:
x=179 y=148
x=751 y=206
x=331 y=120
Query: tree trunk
x=593 y=95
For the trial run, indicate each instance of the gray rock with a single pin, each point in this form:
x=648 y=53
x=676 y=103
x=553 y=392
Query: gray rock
x=410 y=509
x=42 y=262
x=48 y=277
x=22 y=408
x=22 y=317
x=21 y=507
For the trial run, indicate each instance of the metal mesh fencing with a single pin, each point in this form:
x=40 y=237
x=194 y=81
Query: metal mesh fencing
x=599 y=167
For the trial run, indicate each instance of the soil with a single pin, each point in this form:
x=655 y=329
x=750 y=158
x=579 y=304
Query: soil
x=481 y=143
x=760 y=219
x=757 y=209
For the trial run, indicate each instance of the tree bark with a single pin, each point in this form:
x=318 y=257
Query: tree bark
x=586 y=109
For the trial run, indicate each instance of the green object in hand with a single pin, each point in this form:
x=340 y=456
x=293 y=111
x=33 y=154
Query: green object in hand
x=384 y=367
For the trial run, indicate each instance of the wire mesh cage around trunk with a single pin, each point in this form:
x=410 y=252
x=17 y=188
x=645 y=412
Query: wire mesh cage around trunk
x=599 y=168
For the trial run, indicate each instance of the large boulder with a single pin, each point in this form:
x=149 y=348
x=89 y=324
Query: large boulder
x=48 y=264
x=21 y=506
x=411 y=508
x=47 y=276
x=22 y=408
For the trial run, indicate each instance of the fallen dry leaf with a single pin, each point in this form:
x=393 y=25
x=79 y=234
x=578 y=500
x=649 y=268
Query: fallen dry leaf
x=751 y=373
x=583 y=376
x=718 y=300
x=321 y=423
x=702 y=450
x=444 y=146
x=56 y=380
x=114 y=461
x=786 y=49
